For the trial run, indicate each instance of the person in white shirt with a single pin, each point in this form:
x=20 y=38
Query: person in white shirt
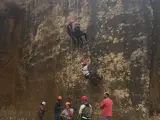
x=67 y=113
x=85 y=110
x=85 y=70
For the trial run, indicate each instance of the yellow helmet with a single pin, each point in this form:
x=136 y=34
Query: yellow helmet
x=60 y=97
x=67 y=103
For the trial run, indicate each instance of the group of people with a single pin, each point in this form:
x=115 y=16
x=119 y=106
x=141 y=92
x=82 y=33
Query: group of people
x=66 y=113
x=77 y=36
x=85 y=110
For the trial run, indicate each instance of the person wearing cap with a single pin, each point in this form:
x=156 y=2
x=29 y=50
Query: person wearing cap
x=85 y=70
x=74 y=31
x=85 y=111
x=79 y=34
x=70 y=27
x=42 y=110
x=58 y=108
x=89 y=75
x=70 y=30
x=106 y=107
x=67 y=113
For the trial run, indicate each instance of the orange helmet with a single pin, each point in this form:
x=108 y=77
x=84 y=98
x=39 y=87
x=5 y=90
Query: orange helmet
x=60 y=97
x=67 y=103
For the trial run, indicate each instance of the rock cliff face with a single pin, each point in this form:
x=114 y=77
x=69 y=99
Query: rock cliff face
x=123 y=47
x=11 y=25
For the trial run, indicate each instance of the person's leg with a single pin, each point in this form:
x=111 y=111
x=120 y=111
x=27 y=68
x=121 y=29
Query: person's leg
x=40 y=117
x=87 y=76
x=81 y=37
x=103 y=118
x=95 y=75
x=108 y=118
x=78 y=38
x=74 y=40
x=85 y=36
x=86 y=79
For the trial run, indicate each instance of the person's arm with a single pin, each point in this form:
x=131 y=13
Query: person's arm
x=81 y=108
x=91 y=108
x=71 y=113
x=102 y=105
x=89 y=61
x=62 y=113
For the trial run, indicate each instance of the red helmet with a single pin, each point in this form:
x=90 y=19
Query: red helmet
x=70 y=21
x=84 y=98
x=77 y=23
x=84 y=63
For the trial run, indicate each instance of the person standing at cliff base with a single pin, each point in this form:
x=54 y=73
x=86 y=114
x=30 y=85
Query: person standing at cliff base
x=85 y=110
x=58 y=108
x=41 y=110
x=67 y=113
x=106 y=107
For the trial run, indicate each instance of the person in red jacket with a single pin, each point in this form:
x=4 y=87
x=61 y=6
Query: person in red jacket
x=106 y=107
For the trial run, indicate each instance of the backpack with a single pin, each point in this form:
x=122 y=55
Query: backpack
x=87 y=111
x=77 y=28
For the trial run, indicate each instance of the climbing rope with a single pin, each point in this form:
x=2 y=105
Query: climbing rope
x=77 y=10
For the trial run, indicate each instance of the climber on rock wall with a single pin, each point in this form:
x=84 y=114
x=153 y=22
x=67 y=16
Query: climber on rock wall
x=87 y=74
x=80 y=35
x=58 y=108
x=106 y=107
x=85 y=110
x=41 y=110
x=85 y=70
x=73 y=30
x=70 y=31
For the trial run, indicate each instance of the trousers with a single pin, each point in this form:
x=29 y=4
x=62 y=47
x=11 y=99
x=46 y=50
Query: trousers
x=106 y=118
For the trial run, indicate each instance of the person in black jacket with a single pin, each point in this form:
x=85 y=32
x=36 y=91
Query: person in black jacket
x=58 y=108
x=73 y=30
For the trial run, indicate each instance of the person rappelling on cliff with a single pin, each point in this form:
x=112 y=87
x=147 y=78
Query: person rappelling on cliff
x=74 y=31
x=85 y=70
x=85 y=111
x=88 y=74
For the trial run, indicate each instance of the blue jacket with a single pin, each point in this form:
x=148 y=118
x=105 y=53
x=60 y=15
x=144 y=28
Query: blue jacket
x=57 y=108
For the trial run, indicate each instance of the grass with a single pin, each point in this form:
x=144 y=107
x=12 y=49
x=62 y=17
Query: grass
x=12 y=114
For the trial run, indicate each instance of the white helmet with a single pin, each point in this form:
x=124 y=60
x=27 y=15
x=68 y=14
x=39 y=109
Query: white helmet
x=43 y=103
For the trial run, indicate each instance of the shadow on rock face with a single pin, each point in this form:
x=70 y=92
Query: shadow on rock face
x=13 y=10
